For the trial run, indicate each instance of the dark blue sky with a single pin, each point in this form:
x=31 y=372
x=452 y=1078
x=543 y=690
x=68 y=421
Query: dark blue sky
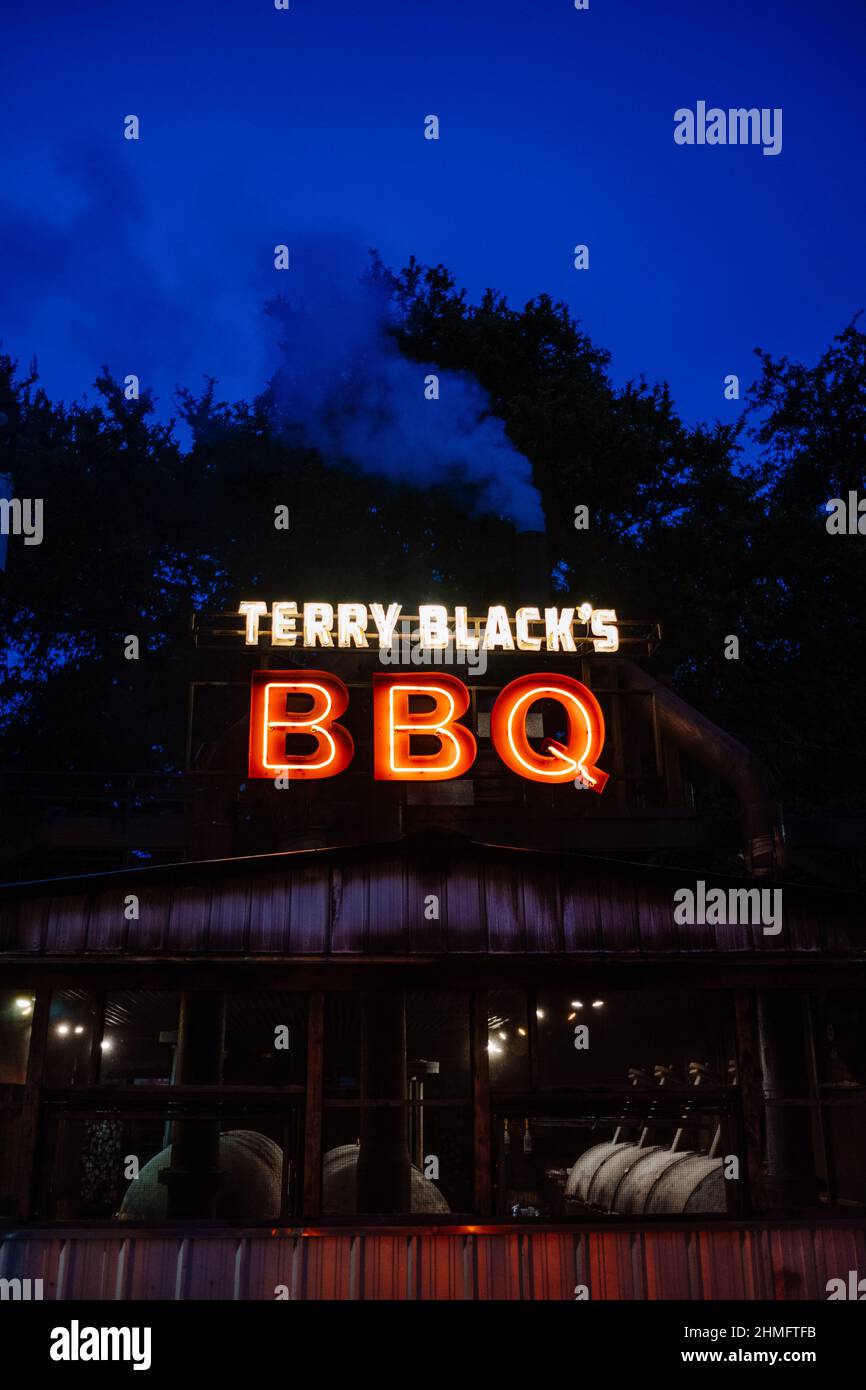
x=260 y=126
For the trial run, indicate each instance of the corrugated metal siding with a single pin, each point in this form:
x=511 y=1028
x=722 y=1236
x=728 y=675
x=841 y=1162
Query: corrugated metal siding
x=491 y=901
x=780 y=1264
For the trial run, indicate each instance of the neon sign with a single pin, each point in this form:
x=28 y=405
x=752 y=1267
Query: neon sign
x=362 y=625
x=277 y=726
x=271 y=723
x=395 y=723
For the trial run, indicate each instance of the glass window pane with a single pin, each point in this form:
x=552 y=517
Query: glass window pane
x=840 y=1038
x=72 y=1020
x=108 y=1166
x=593 y=1038
x=140 y=1038
x=633 y=1158
x=845 y=1137
x=383 y=1161
x=342 y=1045
x=265 y=1039
x=446 y=1146
x=508 y=1039
x=16 y=1018
x=10 y=1148
x=436 y=1044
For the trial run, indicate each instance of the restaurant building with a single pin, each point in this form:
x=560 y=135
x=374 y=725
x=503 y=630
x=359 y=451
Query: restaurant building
x=376 y=1033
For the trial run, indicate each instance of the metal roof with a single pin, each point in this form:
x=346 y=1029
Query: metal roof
x=378 y=901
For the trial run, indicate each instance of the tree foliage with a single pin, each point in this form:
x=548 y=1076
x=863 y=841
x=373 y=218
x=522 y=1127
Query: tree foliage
x=713 y=530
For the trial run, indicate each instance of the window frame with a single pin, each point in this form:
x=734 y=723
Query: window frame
x=34 y=1102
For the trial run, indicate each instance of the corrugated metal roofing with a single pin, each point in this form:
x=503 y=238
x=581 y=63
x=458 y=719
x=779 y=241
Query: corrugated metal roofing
x=741 y=1263
x=412 y=898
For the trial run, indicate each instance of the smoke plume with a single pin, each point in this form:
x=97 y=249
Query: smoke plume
x=344 y=388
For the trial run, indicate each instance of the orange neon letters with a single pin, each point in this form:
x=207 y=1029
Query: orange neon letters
x=277 y=725
x=271 y=721
x=575 y=759
x=395 y=723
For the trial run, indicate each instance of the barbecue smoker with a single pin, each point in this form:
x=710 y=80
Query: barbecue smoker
x=642 y=1178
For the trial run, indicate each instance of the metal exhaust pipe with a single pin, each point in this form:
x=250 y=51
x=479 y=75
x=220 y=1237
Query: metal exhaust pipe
x=734 y=764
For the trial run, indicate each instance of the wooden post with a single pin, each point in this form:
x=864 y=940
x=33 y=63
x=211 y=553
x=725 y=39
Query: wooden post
x=384 y=1168
x=313 y=1106
x=194 y=1176
x=481 y=1106
x=751 y=1088
x=29 y=1127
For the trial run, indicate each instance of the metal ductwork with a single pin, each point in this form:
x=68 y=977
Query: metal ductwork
x=730 y=760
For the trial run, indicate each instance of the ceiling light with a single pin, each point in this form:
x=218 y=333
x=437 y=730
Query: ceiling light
x=63 y=1029
x=598 y=1003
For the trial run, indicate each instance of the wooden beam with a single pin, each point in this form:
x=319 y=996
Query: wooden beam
x=751 y=1088
x=28 y=1129
x=313 y=1106
x=483 y=1187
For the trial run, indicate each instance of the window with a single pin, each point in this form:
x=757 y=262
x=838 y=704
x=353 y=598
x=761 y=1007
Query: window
x=73 y=1021
x=611 y=1103
x=560 y=1161
x=839 y=1024
x=16 y=1019
x=599 y=1104
x=139 y=1038
x=265 y=1039
x=397 y=1129
x=597 y=1037
x=813 y=1050
x=508 y=1039
x=16 y=1022
x=162 y=1105
x=190 y=1160
x=11 y=1130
